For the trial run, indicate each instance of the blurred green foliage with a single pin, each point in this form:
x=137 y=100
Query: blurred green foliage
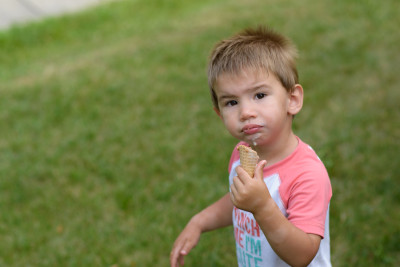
x=109 y=143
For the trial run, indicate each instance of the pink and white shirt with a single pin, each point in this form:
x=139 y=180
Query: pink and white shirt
x=301 y=188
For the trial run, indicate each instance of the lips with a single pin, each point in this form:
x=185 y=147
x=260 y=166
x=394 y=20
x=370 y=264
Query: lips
x=251 y=128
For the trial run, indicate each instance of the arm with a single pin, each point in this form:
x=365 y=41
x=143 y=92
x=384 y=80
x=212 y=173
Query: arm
x=291 y=244
x=217 y=215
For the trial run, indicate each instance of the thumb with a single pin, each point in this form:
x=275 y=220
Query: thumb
x=259 y=171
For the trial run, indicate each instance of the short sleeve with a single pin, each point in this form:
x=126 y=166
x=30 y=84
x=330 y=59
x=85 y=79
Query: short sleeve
x=308 y=200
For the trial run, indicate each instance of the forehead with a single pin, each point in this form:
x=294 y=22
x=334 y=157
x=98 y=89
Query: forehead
x=245 y=79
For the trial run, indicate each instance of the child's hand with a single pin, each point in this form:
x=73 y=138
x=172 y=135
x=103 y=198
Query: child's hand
x=184 y=243
x=250 y=194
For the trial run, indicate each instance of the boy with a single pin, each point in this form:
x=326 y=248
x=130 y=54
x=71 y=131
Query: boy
x=281 y=216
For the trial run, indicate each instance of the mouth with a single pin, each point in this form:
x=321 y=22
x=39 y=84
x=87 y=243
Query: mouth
x=250 y=129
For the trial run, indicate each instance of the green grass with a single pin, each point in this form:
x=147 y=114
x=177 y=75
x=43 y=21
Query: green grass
x=109 y=143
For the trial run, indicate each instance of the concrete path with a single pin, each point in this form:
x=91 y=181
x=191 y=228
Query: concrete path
x=23 y=11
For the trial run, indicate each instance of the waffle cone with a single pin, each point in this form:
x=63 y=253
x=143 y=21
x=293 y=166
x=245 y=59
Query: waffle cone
x=248 y=159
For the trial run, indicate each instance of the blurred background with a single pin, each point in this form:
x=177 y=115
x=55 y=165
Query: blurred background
x=23 y=11
x=109 y=144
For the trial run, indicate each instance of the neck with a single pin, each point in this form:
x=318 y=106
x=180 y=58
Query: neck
x=278 y=150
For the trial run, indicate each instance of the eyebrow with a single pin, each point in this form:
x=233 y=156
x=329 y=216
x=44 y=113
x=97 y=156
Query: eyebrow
x=251 y=89
x=221 y=98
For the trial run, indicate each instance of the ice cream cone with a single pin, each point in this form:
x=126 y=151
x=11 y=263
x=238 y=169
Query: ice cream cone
x=248 y=159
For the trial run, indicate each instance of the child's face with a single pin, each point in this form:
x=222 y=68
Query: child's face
x=255 y=107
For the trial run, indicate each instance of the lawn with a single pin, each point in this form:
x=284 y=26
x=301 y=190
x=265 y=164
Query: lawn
x=109 y=143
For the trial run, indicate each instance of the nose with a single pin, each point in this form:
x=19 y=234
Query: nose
x=247 y=111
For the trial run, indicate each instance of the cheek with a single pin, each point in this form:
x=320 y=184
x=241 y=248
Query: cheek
x=229 y=122
x=276 y=108
x=272 y=114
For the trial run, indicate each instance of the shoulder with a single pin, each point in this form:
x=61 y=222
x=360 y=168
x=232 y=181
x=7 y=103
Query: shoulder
x=305 y=174
x=306 y=190
x=307 y=160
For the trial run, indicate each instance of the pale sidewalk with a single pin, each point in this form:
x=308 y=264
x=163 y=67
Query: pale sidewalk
x=23 y=11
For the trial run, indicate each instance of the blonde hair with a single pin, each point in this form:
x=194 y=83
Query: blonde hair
x=260 y=49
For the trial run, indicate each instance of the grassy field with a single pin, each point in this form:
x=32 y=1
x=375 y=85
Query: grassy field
x=109 y=143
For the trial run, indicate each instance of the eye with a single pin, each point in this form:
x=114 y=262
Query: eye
x=260 y=95
x=231 y=103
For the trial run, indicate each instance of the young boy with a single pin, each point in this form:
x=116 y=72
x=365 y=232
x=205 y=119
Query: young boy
x=281 y=215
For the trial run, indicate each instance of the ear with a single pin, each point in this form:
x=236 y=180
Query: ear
x=295 y=100
x=218 y=112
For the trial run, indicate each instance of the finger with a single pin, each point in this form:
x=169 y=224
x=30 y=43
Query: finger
x=178 y=252
x=187 y=247
x=175 y=254
x=259 y=171
x=242 y=174
x=237 y=183
x=181 y=259
x=233 y=194
x=177 y=257
x=233 y=191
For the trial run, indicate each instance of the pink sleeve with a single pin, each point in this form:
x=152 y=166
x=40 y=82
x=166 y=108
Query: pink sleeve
x=308 y=199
